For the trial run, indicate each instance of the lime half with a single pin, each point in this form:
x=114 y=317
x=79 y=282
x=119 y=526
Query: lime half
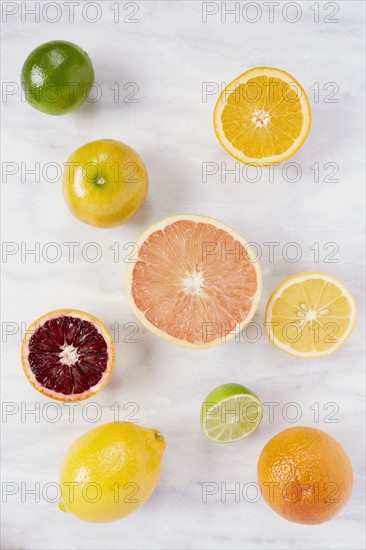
x=230 y=412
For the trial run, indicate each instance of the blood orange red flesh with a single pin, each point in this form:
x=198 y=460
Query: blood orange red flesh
x=196 y=281
x=68 y=355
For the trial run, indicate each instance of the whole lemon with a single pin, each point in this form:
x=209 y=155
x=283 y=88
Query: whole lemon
x=305 y=475
x=104 y=183
x=110 y=471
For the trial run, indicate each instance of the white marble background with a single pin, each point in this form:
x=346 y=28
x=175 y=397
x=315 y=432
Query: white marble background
x=169 y=53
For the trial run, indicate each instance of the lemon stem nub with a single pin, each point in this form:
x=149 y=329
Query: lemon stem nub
x=100 y=181
x=159 y=436
x=62 y=506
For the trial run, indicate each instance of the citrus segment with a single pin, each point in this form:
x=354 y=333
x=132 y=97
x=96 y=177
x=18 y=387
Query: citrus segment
x=230 y=412
x=310 y=315
x=305 y=475
x=262 y=117
x=196 y=281
x=67 y=355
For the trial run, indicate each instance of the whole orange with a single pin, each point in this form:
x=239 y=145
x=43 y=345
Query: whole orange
x=305 y=475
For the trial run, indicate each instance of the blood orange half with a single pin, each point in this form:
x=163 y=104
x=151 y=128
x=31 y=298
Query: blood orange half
x=196 y=281
x=68 y=355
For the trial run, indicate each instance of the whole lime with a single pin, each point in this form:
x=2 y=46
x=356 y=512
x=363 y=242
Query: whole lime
x=57 y=77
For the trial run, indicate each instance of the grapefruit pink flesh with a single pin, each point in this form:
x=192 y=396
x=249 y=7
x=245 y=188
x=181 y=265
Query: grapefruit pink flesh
x=195 y=281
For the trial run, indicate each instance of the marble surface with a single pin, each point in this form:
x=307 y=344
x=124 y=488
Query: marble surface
x=174 y=63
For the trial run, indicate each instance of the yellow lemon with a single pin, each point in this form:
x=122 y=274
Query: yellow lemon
x=104 y=183
x=310 y=315
x=110 y=471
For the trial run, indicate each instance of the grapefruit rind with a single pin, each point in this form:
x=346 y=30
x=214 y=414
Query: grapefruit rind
x=242 y=79
x=299 y=278
x=162 y=334
x=102 y=329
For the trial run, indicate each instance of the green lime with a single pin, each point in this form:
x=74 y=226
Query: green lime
x=230 y=412
x=57 y=77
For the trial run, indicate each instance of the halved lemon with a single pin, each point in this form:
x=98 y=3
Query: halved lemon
x=262 y=117
x=310 y=315
x=196 y=281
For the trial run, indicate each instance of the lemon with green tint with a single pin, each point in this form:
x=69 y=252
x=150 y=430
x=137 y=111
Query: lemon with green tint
x=230 y=412
x=104 y=183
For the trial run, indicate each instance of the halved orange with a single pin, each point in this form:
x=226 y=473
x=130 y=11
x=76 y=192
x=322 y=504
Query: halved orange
x=68 y=355
x=310 y=315
x=196 y=281
x=262 y=117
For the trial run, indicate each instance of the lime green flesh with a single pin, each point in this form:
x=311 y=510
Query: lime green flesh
x=230 y=412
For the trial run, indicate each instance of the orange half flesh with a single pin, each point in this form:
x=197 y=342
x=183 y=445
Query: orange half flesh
x=262 y=117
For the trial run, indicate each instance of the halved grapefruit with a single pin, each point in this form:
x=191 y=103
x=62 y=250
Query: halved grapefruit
x=196 y=281
x=68 y=355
